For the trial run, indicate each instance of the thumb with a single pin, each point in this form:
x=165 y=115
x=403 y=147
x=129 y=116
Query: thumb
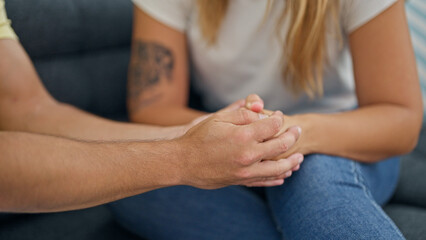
x=254 y=103
x=234 y=106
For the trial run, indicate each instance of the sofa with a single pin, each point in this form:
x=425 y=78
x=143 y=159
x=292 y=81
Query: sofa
x=81 y=51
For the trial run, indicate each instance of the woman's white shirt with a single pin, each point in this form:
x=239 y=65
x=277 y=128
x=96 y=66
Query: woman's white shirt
x=247 y=57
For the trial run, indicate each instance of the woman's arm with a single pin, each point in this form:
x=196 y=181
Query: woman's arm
x=25 y=105
x=389 y=117
x=158 y=81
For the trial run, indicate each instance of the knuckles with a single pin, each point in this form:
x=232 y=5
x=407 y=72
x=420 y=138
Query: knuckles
x=283 y=145
x=243 y=174
x=247 y=116
x=244 y=115
x=276 y=124
x=247 y=158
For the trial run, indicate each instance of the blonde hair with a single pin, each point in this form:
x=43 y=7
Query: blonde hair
x=304 y=44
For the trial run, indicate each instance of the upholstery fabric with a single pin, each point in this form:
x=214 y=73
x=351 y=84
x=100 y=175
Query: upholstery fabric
x=93 y=223
x=80 y=49
x=411 y=220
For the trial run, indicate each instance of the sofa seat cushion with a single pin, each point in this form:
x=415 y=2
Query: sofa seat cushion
x=92 y=223
x=411 y=187
x=410 y=220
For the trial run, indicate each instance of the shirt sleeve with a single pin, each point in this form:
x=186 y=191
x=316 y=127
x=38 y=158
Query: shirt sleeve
x=6 y=30
x=173 y=13
x=356 y=13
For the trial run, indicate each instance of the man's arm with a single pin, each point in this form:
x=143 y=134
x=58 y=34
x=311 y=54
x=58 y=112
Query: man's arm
x=25 y=105
x=43 y=173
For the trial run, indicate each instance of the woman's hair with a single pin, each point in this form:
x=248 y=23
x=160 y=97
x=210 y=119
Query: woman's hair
x=304 y=43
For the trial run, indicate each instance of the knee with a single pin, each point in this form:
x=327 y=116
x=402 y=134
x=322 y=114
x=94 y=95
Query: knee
x=322 y=169
x=321 y=177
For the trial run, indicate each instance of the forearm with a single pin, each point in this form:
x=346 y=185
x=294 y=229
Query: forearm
x=25 y=105
x=367 y=134
x=67 y=121
x=55 y=174
x=166 y=116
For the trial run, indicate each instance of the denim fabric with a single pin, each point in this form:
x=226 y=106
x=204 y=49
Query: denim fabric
x=328 y=198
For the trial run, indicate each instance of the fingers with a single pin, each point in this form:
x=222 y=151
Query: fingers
x=271 y=169
x=282 y=176
x=279 y=145
x=270 y=183
x=254 y=103
x=241 y=116
x=267 y=112
x=234 y=106
x=296 y=168
x=265 y=128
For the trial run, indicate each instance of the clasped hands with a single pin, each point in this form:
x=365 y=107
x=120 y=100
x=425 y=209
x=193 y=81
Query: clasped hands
x=242 y=144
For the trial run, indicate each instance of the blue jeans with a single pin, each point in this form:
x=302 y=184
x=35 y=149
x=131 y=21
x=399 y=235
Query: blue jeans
x=328 y=198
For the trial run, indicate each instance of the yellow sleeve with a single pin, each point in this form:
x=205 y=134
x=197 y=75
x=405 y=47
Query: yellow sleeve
x=6 y=30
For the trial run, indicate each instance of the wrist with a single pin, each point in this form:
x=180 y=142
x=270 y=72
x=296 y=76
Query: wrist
x=176 y=161
x=182 y=161
x=306 y=143
x=156 y=164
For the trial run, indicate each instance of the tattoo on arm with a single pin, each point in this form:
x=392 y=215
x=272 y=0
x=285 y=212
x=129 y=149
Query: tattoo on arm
x=151 y=62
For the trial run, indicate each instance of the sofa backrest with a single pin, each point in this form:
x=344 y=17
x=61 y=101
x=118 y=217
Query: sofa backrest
x=80 y=49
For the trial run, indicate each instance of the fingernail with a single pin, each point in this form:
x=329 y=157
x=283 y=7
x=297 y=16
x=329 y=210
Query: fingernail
x=299 y=129
x=288 y=174
x=256 y=106
x=300 y=158
x=262 y=116
x=296 y=168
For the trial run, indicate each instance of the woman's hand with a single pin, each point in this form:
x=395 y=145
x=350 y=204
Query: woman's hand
x=254 y=103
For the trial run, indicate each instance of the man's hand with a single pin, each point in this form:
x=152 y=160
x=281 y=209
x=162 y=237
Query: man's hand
x=232 y=107
x=254 y=103
x=230 y=148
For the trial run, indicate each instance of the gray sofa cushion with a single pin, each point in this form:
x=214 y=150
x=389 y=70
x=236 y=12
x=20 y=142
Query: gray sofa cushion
x=411 y=188
x=410 y=220
x=80 y=48
x=93 y=223
x=48 y=27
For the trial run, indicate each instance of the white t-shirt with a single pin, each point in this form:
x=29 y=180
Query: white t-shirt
x=247 y=56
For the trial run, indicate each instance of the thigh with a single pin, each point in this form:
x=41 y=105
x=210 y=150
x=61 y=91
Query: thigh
x=328 y=198
x=188 y=213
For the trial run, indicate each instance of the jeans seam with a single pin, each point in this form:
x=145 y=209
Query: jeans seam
x=360 y=180
x=275 y=220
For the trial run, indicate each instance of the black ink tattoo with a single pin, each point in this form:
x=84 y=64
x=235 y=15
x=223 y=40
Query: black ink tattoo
x=150 y=63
